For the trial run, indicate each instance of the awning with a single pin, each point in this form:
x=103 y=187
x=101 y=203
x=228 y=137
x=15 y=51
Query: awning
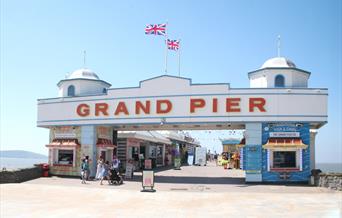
x=63 y=143
x=150 y=136
x=242 y=143
x=105 y=143
x=283 y=143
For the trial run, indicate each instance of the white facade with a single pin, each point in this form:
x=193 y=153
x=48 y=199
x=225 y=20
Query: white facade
x=295 y=104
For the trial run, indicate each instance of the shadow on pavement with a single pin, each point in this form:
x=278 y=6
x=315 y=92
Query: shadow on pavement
x=193 y=180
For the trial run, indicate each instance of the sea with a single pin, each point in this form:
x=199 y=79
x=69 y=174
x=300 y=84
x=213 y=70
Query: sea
x=19 y=163
x=329 y=167
x=11 y=163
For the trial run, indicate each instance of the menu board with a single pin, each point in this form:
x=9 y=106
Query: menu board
x=148 y=178
x=129 y=171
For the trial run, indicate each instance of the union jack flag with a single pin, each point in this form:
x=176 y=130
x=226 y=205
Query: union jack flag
x=156 y=29
x=173 y=44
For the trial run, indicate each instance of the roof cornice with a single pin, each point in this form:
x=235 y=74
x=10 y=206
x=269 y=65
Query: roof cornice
x=93 y=80
x=280 y=68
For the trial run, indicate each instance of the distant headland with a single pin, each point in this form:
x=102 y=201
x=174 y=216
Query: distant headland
x=21 y=154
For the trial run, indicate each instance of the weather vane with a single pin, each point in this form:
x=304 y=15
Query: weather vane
x=278 y=45
x=84 y=58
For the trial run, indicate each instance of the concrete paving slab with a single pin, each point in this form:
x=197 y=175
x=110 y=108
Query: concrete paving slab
x=65 y=197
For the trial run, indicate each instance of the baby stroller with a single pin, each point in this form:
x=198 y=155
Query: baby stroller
x=115 y=178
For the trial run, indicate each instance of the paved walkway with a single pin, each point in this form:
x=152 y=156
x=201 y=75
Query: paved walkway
x=202 y=193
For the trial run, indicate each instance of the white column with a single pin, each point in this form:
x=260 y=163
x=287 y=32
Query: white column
x=268 y=160
x=300 y=159
x=313 y=134
x=88 y=147
x=253 y=152
x=74 y=157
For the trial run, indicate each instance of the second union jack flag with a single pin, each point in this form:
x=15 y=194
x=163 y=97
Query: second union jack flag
x=173 y=44
x=155 y=29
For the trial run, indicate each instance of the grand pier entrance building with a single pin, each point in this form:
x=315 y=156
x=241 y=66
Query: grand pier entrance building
x=279 y=113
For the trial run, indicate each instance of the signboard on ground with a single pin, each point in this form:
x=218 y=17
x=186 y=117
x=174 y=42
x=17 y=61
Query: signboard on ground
x=191 y=160
x=201 y=156
x=177 y=163
x=148 y=178
x=129 y=171
x=148 y=181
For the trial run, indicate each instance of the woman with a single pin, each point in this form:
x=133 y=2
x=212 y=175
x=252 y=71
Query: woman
x=105 y=172
x=99 y=169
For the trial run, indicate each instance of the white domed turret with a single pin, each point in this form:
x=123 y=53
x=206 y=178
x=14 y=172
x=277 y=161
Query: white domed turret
x=278 y=62
x=279 y=72
x=83 y=73
x=82 y=82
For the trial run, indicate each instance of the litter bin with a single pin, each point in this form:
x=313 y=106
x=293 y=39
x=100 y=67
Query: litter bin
x=45 y=168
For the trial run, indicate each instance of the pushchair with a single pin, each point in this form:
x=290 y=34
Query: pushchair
x=115 y=178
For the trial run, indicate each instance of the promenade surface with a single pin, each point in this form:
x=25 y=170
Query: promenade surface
x=191 y=192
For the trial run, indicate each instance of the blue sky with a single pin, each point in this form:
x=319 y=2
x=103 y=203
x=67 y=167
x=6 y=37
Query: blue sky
x=41 y=41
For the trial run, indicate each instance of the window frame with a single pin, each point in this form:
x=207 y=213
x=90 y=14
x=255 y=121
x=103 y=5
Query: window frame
x=69 y=94
x=270 y=160
x=276 y=78
x=56 y=157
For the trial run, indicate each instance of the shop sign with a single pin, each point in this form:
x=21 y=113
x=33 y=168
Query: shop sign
x=65 y=132
x=133 y=142
x=65 y=135
x=284 y=134
x=253 y=149
x=104 y=132
x=148 y=164
x=253 y=171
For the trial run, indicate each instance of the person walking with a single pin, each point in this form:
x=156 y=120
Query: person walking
x=115 y=163
x=87 y=160
x=99 y=168
x=105 y=172
x=215 y=158
x=84 y=170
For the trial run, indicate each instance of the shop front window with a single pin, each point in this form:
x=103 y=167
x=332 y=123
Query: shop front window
x=65 y=156
x=153 y=151
x=159 y=151
x=284 y=159
x=133 y=153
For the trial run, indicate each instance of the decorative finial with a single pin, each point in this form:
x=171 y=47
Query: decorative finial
x=278 y=45
x=84 y=58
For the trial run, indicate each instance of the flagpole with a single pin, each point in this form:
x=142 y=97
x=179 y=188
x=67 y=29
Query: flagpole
x=167 y=24
x=179 y=51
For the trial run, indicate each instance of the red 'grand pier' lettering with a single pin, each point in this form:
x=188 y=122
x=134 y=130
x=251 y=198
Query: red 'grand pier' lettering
x=164 y=106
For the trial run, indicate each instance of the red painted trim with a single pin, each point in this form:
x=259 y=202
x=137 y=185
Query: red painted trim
x=62 y=165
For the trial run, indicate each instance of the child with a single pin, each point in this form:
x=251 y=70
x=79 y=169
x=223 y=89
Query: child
x=83 y=171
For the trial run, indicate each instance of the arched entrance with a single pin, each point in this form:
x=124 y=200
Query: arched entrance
x=277 y=121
